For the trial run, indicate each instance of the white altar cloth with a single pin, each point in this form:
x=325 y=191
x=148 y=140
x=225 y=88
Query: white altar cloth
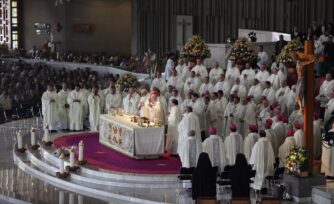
x=122 y=135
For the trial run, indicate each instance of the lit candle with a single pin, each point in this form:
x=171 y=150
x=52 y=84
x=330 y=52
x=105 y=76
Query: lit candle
x=19 y=139
x=61 y=164
x=72 y=157
x=81 y=150
x=33 y=136
x=46 y=133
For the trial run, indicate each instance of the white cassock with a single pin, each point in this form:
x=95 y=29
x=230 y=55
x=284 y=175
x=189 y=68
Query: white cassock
x=275 y=81
x=177 y=82
x=271 y=137
x=189 y=122
x=85 y=94
x=264 y=114
x=263 y=58
x=299 y=137
x=233 y=146
x=113 y=101
x=249 y=143
x=230 y=109
x=263 y=159
x=262 y=76
x=329 y=109
x=249 y=117
x=214 y=146
x=211 y=117
x=50 y=109
x=291 y=101
x=174 y=119
x=179 y=100
x=285 y=148
x=269 y=93
x=327 y=159
x=178 y=69
x=220 y=106
x=190 y=153
x=76 y=113
x=280 y=132
x=130 y=104
x=232 y=74
x=201 y=70
x=205 y=88
x=169 y=68
x=191 y=84
x=256 y=92
x=214 y=74
x=64 y=120
x=237 y=115
x=155 y=111
x=142 y=110
x=224 y=86
x=317 y=138
x=250 y=73
x=282 y=98
x=187 y=102
x=281 y=67
x=240 y=89
x=198 y=109
x=295 y=117
x=159 y=83
x=185 y=73
x=94 y=103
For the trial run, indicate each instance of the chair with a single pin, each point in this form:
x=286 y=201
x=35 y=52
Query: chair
x=277 y=174
x=228 y=168
x=224 y=179
x=206 y=200
x=240 y=201
x=267 y=200
x=186 y=173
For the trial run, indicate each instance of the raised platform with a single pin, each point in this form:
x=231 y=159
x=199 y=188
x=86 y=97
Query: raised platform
x=108 y=175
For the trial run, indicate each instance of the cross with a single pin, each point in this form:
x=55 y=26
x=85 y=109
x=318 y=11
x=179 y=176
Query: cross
x=184 y=25
x=309 y=97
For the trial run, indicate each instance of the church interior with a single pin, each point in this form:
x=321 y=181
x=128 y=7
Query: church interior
x=166 y=101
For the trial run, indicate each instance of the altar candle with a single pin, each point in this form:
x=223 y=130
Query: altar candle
x=46 y=134
x=81 y=150
x=19 y=139
x=72 y=157
x=61 y=197
x=71 y=198
x=33 y=136
x=61 y=164
x=80 y=199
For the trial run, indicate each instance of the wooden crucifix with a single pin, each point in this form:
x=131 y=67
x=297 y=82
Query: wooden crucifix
x=309 y=96
x=184 y=25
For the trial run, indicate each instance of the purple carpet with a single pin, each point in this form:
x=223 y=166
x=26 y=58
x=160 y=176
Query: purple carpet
x=103 y=157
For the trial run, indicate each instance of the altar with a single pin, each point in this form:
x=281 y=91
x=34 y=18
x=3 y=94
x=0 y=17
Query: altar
x=122 y=135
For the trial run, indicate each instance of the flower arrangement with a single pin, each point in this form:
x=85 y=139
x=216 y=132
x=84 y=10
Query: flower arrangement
x=287 y=54
x=252 y=36
x=127 y=81
x=297 y=160
x=196 y=48
x=242 y=52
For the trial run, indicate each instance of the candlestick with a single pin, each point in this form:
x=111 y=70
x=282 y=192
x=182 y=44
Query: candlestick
x=33 y=136
x=61 y=197
x=61 y=164
x=81 y=148
x=71 y=198
x=19 y=139
x=72 y=157
x=46 y=134
x=80 y=199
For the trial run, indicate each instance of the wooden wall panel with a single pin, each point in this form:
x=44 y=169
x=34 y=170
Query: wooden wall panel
x=215 y=20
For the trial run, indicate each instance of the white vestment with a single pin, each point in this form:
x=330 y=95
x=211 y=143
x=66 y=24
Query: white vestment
x=220 y=106
x=177 y=82
x=155 y=111
x=50 y=109
x=174 y=119
x=191 y=84
x=264 y=114
x=256 y=92
x=271 y=136
x=229 y=115
x=262 y=57
x=238 y=117
x=85 y=94
x=285 y=148
x=249 y=143
x=329 y=109
x=64 y=120
x=275 y=81
x=280 y=132
x=201 y=70
x=185 y=73
x=224 y=86
x=249 y=117
x=159 y=83
x=299 y=137
x=211 y=117
x=198 y=109
x=214 y=146
x=233 y=146
x=262 y=76
x=232 y=74
x=240 y=89
x=205 y=88
x=295 y=117
x=76 y=112
x=113 y=101
x=94 y=102
x=214 y=75
x=269 y=93
x=187 y=102
x=130 y=104
x=263 y=159
x=282 y=98
x=327 y=159
x=168 y=69
x=190 y=152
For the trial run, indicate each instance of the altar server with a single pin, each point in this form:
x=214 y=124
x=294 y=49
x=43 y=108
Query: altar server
x=262 y=159
x=233 y=145
x=191 y=150
x=50 y=108
x=214 y=146
x=63 y=106
x=76 y=99
x=174 y=118
x=95 y=103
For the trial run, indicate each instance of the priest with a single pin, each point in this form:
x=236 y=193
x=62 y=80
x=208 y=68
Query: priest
x=285 y=148
x=154 y=109
x=255 y=91
x=130 y=102
x=50 y=108
x=215 y=73
x=250 y=140
x=160 y=83
x=174 y=118
x=233 y=145
x=205 y=87
x=76 y=114
x=327 y=157
x=113 y=99
x=192 y=83
x=299 y=135
x=191 y=150
x=262 y=159
x=198 y=109
x=63 y=108
x=95 y=107
x=200 y=70
x=214 y=146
